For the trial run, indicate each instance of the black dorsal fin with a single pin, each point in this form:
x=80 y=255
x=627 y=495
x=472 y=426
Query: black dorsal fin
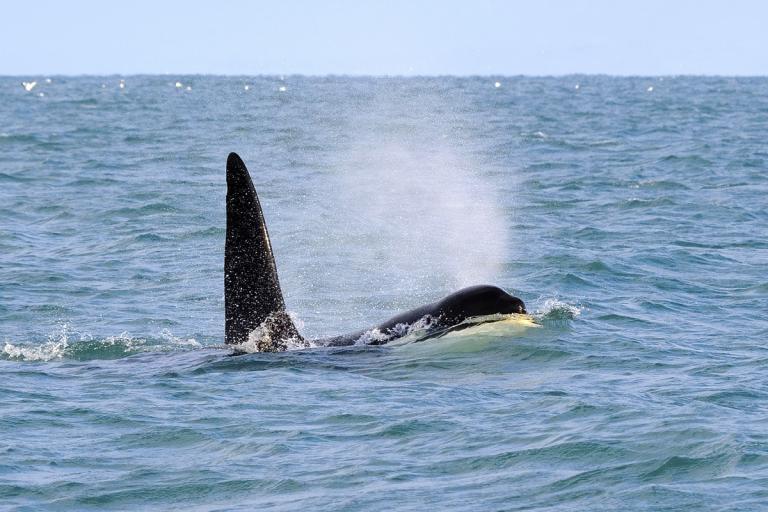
x=251 y=287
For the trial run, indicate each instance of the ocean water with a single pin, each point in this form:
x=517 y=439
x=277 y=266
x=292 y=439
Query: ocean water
x=629 y=213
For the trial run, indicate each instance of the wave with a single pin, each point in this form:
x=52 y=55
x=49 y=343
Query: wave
x=64 y=344
x=554 y=309
x=139 y=211
x=67 y=344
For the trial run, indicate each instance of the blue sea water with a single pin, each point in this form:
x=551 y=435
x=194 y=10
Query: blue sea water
x=631 y=215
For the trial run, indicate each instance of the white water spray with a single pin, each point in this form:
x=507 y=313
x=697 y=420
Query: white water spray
x=423 y=213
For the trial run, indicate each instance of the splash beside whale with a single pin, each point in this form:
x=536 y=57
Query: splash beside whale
x=255 y=308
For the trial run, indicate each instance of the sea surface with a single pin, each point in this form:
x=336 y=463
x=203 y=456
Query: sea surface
x=630 y=214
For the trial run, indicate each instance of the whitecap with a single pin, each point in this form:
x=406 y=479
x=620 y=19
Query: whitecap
x=556 y=309
x=54 y=348
x=46 y=352
x=167 y=335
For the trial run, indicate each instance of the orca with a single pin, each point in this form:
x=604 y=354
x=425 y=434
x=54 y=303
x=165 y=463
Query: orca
x=253 y=301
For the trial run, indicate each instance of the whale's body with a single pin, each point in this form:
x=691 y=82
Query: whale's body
x=253 y=300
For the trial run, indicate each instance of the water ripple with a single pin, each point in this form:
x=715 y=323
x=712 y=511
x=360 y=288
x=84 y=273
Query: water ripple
x=632 y=224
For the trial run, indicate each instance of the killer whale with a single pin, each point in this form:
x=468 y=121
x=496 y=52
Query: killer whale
x=253 y=300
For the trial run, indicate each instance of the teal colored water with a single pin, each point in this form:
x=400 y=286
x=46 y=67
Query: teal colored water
x=629 y=214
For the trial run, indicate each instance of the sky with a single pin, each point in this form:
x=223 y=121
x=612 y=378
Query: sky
x=396 y=37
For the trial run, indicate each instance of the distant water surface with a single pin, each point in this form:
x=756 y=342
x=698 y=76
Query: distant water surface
x=631 y=214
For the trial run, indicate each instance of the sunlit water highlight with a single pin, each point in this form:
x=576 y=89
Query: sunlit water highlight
x=628 y=213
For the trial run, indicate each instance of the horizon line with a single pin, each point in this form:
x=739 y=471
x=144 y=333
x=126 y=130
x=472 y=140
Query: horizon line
x=392 y=75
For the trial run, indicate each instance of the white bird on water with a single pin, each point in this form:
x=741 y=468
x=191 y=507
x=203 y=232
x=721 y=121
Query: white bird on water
x=28 y=86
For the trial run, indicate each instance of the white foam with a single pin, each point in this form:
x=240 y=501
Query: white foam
x=403 y=333
x=125 y=340
x=167 y=335
x=46 y=352
x=258 y=339
x=263 y=338
x=557 y=308
x=372 y=336
x=54 y=348
x=65 y=342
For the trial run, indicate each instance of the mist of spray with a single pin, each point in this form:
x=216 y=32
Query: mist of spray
x=422 y=213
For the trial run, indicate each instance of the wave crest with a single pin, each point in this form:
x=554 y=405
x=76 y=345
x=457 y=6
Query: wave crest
x=556 y=309
x=65 y=343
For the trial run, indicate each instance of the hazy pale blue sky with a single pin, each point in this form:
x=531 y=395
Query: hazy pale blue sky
x=428 y=37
